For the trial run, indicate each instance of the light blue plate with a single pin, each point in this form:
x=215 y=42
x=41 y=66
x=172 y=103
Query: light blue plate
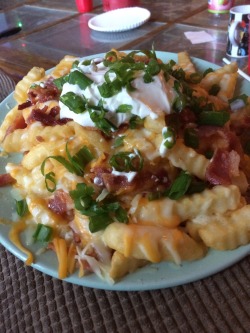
x=151 y=277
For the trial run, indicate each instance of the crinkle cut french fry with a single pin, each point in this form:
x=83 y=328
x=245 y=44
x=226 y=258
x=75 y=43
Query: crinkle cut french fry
x=152 y=243
x=219 y=199
x=63 y=67
x=225 y=77
x=188 y=159
x=121 y=265
x=8 y=121
x=185 y=62
x=35 y=74
x=22 y=140
x=227 y=232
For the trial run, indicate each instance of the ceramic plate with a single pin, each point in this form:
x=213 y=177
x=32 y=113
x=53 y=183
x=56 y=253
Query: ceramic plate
x=151 y=277
x=120 y=19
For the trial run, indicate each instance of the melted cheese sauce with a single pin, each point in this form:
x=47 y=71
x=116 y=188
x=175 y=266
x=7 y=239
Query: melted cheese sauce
x=148 y=99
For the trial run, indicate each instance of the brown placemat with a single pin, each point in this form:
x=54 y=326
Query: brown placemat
x=34 y=302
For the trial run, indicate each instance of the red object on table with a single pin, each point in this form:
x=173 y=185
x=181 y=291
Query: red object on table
x=115 y=4
x=84 y=6
x=249 y=46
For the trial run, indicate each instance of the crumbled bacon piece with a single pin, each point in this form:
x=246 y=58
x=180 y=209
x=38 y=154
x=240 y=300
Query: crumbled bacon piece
x=6 y=179
x=24 y=105
x=47 y=119
x=60 y=204
x=222 y=167
x=40 y=94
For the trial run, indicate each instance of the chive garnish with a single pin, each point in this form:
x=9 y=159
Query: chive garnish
x=77 y=77
x=74 y=102
x=191 y=138
x=100 y=214
x=180 y=186
x=75 y=164
x=43 y=233
x=214 y=90
x=21 y=207
x=214 y=118
x=127 y=161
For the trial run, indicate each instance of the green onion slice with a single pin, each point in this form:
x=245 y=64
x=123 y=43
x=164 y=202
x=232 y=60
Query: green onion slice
x=77 y=77
x=75 y=164
x=214 y=89
x=100 y=214
x=74 y=102
x=214 y=118
x=21 y=207
x=119 y=141
x=191 y=138
x=179 y=186
x=169 y=136
x=42 y=233
x=127 y=161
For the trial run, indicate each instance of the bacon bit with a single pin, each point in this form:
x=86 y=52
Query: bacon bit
x=18 y=123
x=6 y=179
x=39 y=138
x=59 y=204
x=222 y=167
x=187 y=116
x=47 y=119
x=214 y=137
x=118 y=184
x=40 y=94
x=24 y=105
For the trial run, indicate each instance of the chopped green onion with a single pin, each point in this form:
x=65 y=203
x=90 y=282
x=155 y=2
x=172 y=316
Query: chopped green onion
x=214 y=118
x=21 y=207
x=75 y=64
x=109 y=89
x=207 y=71
x=119 y=141
x=195 y=78
x=74 y=102
x=127 y=161
x=135 y=122
x=191 y=138
x=82 y=196
x=100 y=214
x=179 y=186
x=76 y=165
x=179 y=103
x=86 y=62
x=43 y=233
x=60 y=81
x=77 y=77
x=80 y=159
x=98 y=118
x=169 y=136
x=214 y=90
x=124 y=108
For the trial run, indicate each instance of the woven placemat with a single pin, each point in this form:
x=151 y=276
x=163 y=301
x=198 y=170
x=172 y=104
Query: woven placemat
x=34 y=302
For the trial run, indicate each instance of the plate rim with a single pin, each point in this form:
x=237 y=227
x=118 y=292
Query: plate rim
x=133 y=281
x=93 y=26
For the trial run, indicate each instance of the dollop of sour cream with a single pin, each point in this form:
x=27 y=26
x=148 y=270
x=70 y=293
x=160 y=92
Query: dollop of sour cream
x=147 y=99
